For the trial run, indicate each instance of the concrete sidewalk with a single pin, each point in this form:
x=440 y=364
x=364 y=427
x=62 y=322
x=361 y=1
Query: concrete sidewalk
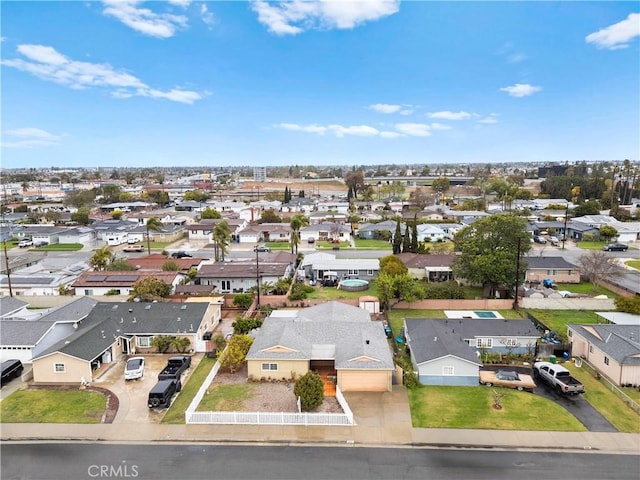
x=382 y=420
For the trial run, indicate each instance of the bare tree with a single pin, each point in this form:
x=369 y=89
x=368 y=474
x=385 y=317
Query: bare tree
x=597 y=265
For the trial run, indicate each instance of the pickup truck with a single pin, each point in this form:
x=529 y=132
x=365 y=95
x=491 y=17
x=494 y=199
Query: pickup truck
x=557 y=377
x=175 y=367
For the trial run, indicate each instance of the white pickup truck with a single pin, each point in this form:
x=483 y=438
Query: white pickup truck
x=557 y=377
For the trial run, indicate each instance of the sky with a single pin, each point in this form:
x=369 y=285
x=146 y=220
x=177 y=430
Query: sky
x=124 y=83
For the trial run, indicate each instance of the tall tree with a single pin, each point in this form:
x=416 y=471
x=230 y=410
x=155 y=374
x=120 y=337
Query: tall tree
x=355 y=181
x=414 y=237
x=597 y=265
x=406 y=240
x=153 y=225
x=397 y=239
x=101 y=258
x=222 y=237
x=297 y=222
x=489 y=251
x=148 y=289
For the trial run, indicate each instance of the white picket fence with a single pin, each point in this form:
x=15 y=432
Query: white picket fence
x=264 y=418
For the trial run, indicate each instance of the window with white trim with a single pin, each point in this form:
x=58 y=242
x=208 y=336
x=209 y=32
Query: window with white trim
x=354 y=271
x=226 y=285
x=59 y=368
x=511 y=342
x=370 y=273
x=484 y=342
x=144 y=342
x=270 y=367
x=447 y=370
x=606 y=360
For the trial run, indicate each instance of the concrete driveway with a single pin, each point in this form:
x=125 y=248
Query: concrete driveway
x=133 y=394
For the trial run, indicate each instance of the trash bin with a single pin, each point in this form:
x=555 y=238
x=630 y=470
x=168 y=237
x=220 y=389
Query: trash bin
x=552 y=358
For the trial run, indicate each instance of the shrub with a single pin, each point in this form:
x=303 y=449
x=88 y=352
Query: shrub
x=243 y=300
x=245 y=325
x=162 y=343
x=310 y=389
x=236 y=352
x=299 y=291
x=628 y=305
x=181 y=344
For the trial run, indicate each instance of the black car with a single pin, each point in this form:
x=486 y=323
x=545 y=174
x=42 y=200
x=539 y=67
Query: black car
x=161 y=394
x=261 y=248
x=615 y=247
x=180 y=254
x=11 y=369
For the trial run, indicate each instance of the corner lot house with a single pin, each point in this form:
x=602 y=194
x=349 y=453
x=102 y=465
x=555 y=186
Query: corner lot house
x=112 y=330
x=554 y=268
x=449 y=351
x=613 y=350
x=333 y=339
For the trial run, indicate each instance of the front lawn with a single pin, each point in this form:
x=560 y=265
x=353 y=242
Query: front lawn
x=53 y=406
x=60 y=247
x=606 y=402
x=591 y=245
x=472 y=407
x=280 y=246
x=557 y=320
x=362 y=244
x=175 y=414
x=331 y=246
x=633 y=264
x=226 y=398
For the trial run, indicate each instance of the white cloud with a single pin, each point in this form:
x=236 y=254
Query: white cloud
x=391 y=134
x=357 y=130
x=296 y=16
x=180 y=3
x=414 y=129
x=206 y=15
x=143 y=20
x=30 y=137
x=439 y=126
x=447 y=115
x=521 y=90
x=303 y=128
x=618 y=35
x=405 y=112
x=385 y=108
x=489 y=119
x=48 y=64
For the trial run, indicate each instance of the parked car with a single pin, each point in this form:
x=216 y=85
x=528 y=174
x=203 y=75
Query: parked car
x=11 y=369
x=175 y=367
x=261 y=248
x=180 y=254
x=509 y=379
x=615 y=247
x=134 y=368
x=311 y=240
x=25 y=243
x=554 y=241
x=558 y=378
x=41 y=243
x=161 y=394
x=539 y=239
x=134 y=248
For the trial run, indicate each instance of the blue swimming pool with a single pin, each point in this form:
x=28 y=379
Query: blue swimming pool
x=486 y=314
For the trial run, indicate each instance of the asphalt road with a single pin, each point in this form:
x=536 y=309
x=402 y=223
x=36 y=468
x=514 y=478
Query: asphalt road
x=194 y=462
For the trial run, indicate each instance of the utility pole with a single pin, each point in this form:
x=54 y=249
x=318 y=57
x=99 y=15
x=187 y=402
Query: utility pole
x=515 y=301
x=258 y=276
x=6 y=256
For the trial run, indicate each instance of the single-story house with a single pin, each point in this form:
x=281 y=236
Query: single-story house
x=119 y=283
x=334 y=339
x=375 y=231
x=155 y=262
x=42 y=233
x=428 y=232
x=25 y=337
x=614 y=350
x=318 y=265
x=238 y=277
x=202 y=232
x=554 y=268
x=328 y=217
x=434 y=268
x=265 y=232
x=333 y=206
x=83 y=235
x=326 y=232
x=36 y=283
x=112 y=330
x=449 y=351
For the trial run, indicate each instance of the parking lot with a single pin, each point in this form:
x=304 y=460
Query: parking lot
x=133 y=393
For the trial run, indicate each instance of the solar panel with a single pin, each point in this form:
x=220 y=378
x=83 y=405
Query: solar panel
x=122 y=278
x=96 y=278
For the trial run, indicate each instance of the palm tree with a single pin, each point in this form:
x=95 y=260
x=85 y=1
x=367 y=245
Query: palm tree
x=222 y=236
x=101 y=258
x=297 y=222
x=153 y=224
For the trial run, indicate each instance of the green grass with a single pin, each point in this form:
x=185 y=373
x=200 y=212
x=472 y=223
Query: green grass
x=471 y=293
x=362 y=244
x=606 y=402
x=333 y=293
x=175 y=414
x=557 y=320
x=329 y=245
x=586 y=288
x=53 y=406
x=472 y=407
x=633 y=264
x=226 y=398
x=280 y=246
x=61 y=247
x=591 y=245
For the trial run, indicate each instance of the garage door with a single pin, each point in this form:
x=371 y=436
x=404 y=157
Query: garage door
x=364 y=381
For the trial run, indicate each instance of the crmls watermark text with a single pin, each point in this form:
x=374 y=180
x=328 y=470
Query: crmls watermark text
x=113 y=471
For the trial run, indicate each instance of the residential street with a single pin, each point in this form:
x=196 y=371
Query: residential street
x=201 y=461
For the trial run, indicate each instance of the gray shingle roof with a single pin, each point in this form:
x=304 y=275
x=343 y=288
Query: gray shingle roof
x=620 y=342
x=332 y=330
x=549 y=262
x=73 y=311
x=9 y=305
x=450 y=335
x=22 y=332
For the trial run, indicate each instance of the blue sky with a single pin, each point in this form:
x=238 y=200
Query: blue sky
x=134 y=83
